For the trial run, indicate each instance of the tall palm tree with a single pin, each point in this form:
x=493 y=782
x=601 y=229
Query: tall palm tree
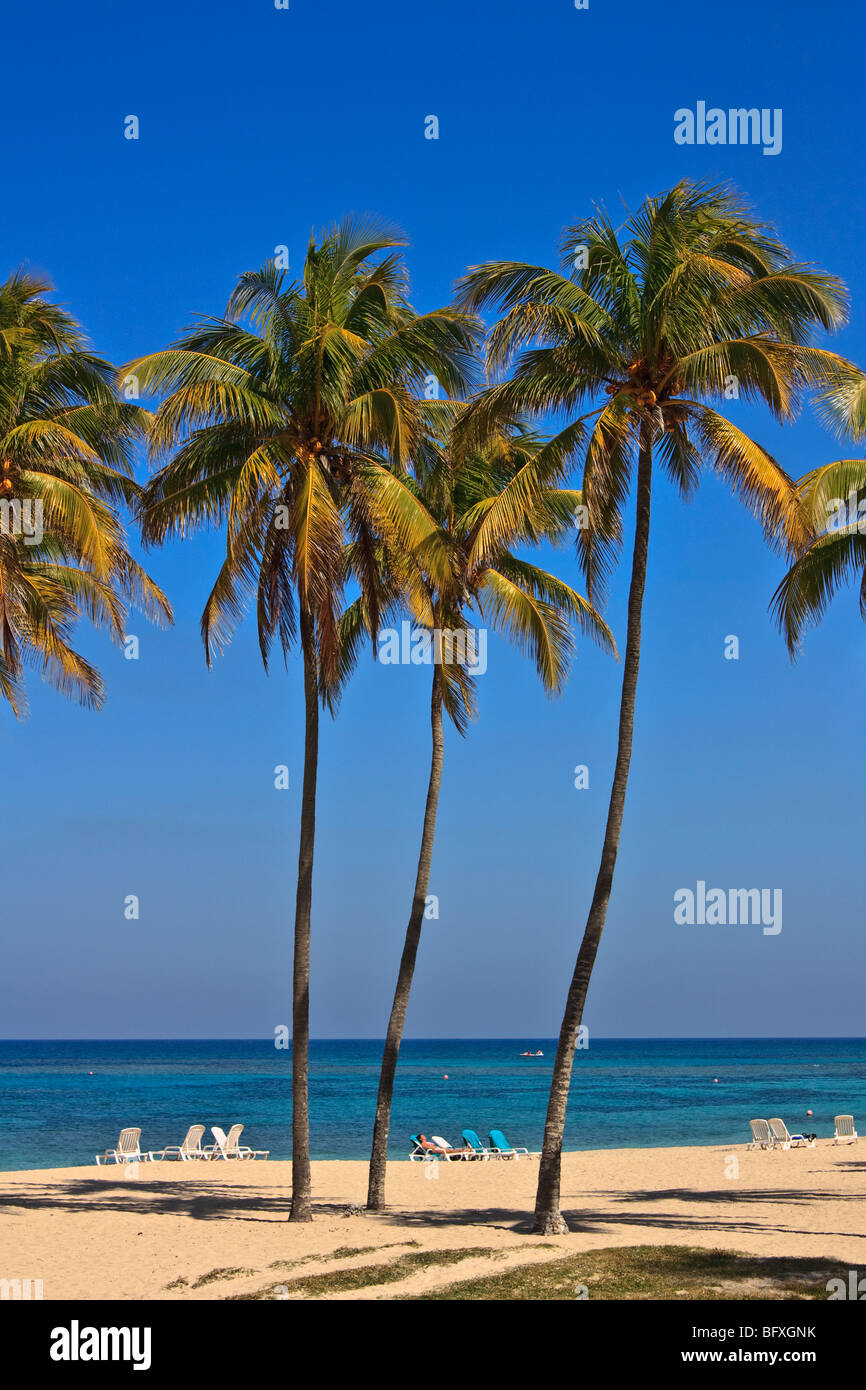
x=66 y=458
x=483 y=502
x=699 y=299
x=290 y=420
x=834 y=496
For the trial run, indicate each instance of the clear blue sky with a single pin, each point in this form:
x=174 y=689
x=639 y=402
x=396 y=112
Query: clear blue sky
x=256 y=126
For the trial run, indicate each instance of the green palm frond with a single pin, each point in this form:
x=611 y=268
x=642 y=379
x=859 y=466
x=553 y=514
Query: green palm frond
x=294 y=420
x=842 y=405
x=755 y=477
x=834 y=498
x=512 y=513
x=12 y=688
x=533 y=625
x=557 y=594
x=66 y=454
x=804 y=594
x=642 y=334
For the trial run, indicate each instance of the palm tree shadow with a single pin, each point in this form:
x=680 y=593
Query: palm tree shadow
x=501 y=1218
x=166 y=1199
x=728 y=1220
x=786 y=1195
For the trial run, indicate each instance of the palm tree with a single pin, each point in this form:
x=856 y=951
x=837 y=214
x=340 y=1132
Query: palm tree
x=290 y=420
x=700 y=300
x=66 y=455
x=483 y=502
x=835 y=498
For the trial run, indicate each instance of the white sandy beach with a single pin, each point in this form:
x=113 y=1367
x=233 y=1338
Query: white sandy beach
x=92 y=1233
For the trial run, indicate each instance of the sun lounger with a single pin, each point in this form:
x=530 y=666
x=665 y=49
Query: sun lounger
x=439 y=1150
x=189 y=1149
x=500 y=1147
x=786 y=1140
x=761 y=1135
x=448 y=1150
x=843 y=1130
x=227 y=1146
x=127 y=1151
x=475 y=1144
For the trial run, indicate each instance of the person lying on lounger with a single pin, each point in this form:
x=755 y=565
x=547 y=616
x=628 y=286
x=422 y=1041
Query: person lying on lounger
x=438 y=1145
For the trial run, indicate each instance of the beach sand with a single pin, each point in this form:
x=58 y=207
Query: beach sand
x=92 y=1233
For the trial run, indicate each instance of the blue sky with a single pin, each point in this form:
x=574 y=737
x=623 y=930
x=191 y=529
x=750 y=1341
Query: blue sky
x=257 y=125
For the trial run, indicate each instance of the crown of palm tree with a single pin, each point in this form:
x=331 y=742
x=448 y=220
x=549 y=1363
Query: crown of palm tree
x=292 y=419
x=483 y=502
x=648 y=330
x=834 y=497
x=66 y=449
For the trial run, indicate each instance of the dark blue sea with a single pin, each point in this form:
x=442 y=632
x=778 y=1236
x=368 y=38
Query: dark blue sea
x=61 y=1102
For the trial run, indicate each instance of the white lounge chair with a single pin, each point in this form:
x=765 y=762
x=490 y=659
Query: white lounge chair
x=761 y=1136
x=189 y=1149
x=844 y=1131
x=128 y=1149
x=228 y=1146
x=786 y=1140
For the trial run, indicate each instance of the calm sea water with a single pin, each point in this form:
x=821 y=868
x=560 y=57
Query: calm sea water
x=61 y=1102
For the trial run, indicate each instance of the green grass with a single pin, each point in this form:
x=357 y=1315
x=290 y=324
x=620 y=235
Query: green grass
x=653 y=1272
x=214 y=1274
x=366 y=1276
x=632 y=1272
x=343 y=1252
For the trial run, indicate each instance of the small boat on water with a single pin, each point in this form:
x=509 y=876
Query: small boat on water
x=532 y=1054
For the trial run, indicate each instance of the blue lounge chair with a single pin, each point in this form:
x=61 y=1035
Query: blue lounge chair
x=475 y=1144
x=501 y=1148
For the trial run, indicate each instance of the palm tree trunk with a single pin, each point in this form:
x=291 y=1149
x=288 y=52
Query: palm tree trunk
x=548 y=1219
x=394 y=1036
x=301 y=1198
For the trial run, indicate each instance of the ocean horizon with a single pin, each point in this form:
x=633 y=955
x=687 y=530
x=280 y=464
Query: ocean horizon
x=61 y=1102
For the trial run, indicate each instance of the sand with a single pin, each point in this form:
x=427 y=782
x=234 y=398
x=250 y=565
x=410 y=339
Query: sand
x=92 y=1233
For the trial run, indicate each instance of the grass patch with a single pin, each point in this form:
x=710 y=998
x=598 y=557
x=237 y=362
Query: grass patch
x=343 y=1252
x=366 y=1276
x=214 y=1274
x=653 y=1272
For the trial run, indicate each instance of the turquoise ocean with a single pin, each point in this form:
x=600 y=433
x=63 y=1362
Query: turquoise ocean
x=61 y=1102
